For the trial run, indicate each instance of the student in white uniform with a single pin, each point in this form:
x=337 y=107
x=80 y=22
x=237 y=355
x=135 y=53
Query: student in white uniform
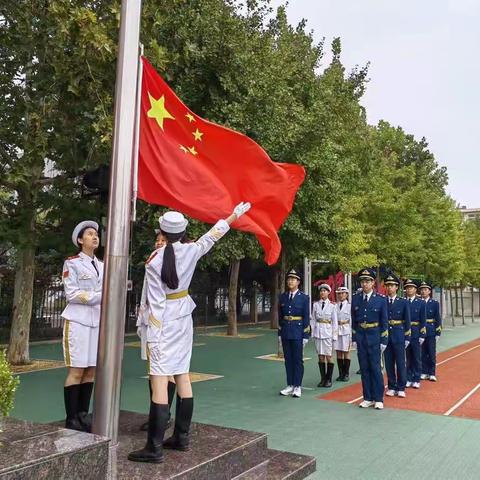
x=324 y=332
x=344 y=339
x=169 y=272
x=142 y=324
x=82 y=281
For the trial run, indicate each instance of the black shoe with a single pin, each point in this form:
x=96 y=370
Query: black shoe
x=180 y=440
x=74 y=424
x=157 y=424
x=359 y=372
x=321 y=366
x=328 y=378
x=86 y=421
x=341 y=364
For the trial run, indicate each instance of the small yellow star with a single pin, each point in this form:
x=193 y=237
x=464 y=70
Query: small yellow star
x=190 y=117
x=158 y=110
x=198 y=135
x=192 y=150
x=183 y=149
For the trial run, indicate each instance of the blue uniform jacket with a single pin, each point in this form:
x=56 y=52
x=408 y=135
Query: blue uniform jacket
x=434 y=320
x=399 y=328
x=294 y=316
x=417 y=317
x=370 y=319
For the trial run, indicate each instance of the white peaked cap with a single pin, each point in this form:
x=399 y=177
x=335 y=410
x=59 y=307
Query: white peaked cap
x=80 y=227
x=173 y=222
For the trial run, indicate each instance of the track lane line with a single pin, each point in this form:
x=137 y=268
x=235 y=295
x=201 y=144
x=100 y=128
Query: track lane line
x=462 y=400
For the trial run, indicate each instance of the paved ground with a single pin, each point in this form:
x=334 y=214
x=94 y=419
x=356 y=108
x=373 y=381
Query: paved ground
x=348 y=442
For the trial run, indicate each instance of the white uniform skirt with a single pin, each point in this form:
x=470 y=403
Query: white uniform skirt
x=343 y=343
x=324 y=346
x=80 y=345
x=171 y=354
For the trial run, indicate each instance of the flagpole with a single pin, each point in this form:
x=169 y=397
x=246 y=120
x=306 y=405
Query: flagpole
x=137 y=135
x=112 y=323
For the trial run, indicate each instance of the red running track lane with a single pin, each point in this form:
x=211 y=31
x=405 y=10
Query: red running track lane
x=458 y=373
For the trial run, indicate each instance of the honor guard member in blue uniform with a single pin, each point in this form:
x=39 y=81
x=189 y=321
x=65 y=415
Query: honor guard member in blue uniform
x=417 y=322
x=370 y=333
x=434 y=329
x=399 y=333
x=294 y=332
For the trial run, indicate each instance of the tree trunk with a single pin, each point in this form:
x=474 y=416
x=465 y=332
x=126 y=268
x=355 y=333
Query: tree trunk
x=232 y=298
x=473 y=302
x=462 y=305
x=456 y=302
x=253 y=305
x=18 y=352
x=451 y=306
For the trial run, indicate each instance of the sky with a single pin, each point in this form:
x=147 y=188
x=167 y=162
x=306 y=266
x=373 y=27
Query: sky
x=424 y=71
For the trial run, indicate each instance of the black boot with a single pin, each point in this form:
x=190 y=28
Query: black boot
x=346 y=370
x=340 y=369
x=321 y=366
x=171 y=395
x=71 y=396
x=183 y=418
x=328 y=378
x=84 y=405
x=144 y=426
x=157 y=424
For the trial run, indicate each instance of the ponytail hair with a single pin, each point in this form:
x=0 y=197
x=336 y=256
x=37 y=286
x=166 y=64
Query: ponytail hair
x=169 y=269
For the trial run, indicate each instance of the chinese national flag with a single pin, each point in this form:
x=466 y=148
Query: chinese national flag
x=203 y=170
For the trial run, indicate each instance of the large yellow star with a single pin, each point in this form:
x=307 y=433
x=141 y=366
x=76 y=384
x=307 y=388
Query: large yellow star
x=158 y=110
x=197 y=134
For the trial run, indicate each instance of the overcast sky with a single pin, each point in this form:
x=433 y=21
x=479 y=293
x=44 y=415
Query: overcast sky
x=424 y=73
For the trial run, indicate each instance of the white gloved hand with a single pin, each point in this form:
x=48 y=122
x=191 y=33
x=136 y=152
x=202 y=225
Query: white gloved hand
x=421 y=340
x=354 y=346
x=382 y=347
x=437 y=338
x=139 y=332
x=305 y=341
x=241 y=208
x=407 y=343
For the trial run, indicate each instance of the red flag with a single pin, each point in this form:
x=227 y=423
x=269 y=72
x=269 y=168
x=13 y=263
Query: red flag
x=204 y=170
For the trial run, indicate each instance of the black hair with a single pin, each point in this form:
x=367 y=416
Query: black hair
x=169 y=269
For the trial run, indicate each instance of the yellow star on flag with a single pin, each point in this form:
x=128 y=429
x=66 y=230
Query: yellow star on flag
x=190 y=117
x=198 y=135
x=158 y=110
x=183 y=149
x=192 y=150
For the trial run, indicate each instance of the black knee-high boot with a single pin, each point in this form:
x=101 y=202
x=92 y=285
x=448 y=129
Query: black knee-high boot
x=340 y=369
x=328 y=377
x=84 y=405
x=321 y=366
x=157 y=424
x=180 y=440
x=71 y=396
x=346 y=369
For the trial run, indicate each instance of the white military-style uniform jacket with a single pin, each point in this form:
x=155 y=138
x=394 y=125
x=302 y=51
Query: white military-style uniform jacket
x=83 y=289
x=180 y=304
x=324 y=322
x=344 y=317
x=142 y=314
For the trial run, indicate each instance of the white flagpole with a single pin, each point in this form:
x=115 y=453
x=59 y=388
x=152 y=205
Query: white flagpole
x=114 y=294
x=137 y=135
